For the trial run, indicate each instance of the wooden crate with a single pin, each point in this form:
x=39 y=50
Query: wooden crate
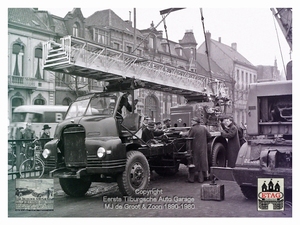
x=212 y=192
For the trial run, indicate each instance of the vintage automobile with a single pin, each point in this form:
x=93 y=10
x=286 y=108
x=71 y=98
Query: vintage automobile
x=23 y=191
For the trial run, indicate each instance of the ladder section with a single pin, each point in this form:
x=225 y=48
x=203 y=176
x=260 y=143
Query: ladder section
x=86 y=59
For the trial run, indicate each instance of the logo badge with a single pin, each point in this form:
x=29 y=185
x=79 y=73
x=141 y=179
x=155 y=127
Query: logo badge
x=270 y=194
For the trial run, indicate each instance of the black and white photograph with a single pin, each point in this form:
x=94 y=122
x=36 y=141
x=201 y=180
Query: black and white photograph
x=150 y=111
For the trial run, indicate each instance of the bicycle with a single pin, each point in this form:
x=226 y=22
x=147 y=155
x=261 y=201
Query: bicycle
x=12 y=157
x=34 y=166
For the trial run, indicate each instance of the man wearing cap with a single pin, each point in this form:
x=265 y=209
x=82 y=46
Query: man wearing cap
x=158 y=126
x=149 y=133
x=199 y=150
x=45 y=135
x=167 y=123
x=230 y=131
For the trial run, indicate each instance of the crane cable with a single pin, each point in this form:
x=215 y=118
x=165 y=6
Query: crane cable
x=279 y=45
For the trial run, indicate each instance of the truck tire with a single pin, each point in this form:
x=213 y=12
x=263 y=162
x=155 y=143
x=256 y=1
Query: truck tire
x=74 y=187
x=166 y=172
x=136 y=174
x=218 y=156
x=249 y=192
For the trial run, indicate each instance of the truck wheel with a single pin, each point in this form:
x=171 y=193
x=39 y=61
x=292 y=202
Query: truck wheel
x=74 y=187
x=218 y=157
x=136 y=174
x=166 y=172
x=249 y=192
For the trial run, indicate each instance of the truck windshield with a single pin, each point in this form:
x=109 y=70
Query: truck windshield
x=98 y=105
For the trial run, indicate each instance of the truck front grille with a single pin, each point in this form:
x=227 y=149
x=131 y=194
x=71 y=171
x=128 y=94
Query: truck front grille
x=74 y=147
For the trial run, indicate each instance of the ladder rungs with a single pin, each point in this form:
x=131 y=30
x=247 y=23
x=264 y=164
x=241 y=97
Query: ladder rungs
x=56 y=59
x=58 y=54
x=57 y=64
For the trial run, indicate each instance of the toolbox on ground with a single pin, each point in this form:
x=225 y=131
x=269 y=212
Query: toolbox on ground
x=212 y=192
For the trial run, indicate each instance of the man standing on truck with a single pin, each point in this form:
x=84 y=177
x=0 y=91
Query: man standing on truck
x=199 y=150
x=124 y=102
x=230 y=131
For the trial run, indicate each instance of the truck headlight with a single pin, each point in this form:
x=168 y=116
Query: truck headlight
x=46 y=153
x=101 y=152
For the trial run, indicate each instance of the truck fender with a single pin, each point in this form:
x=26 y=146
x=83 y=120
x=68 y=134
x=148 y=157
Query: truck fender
x=212 y=142
x=242 y=155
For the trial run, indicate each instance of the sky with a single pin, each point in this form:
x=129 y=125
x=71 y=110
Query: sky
x=252 y=28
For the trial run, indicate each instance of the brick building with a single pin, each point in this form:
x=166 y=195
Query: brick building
x=28 y=28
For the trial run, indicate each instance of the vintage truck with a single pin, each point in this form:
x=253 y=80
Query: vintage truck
x=95 y=143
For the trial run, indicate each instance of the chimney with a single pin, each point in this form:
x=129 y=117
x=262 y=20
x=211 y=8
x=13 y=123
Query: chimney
x=220 y=40
x=208 y=35
x=234 y=46
x=208 y=39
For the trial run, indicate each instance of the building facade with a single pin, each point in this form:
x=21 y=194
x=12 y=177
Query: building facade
x=29 y=84
x=238 y=70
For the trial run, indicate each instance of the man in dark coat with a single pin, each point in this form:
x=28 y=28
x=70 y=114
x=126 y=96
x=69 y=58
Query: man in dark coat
x=149 y=133
x=29 y=134
x=199 y=150
x=230 y=131
x=45 y=135
x=124 y=102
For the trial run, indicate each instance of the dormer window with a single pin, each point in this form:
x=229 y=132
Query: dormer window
x=151 y=42
x=178 y=49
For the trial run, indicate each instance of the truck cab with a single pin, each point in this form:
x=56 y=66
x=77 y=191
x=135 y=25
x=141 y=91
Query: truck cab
x=92 y=143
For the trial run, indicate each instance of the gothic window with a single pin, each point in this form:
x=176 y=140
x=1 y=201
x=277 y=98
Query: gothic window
x=75 y=30
x=39 y=102
x=38 y=63
x=66 y=101
x=151 y=107
x=16 y=102
x=18 y=59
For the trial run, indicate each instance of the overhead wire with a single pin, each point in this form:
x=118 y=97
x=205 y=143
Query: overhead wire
x=279 y=45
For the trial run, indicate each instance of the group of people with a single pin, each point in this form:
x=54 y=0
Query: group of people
x=201 y=135
x=152 y=130
x=28 y=133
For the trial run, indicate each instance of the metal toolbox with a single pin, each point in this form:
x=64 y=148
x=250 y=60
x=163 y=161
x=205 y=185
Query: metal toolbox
x=212 y=192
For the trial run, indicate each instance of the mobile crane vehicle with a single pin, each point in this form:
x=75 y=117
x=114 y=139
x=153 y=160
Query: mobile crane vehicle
x=94 y=143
